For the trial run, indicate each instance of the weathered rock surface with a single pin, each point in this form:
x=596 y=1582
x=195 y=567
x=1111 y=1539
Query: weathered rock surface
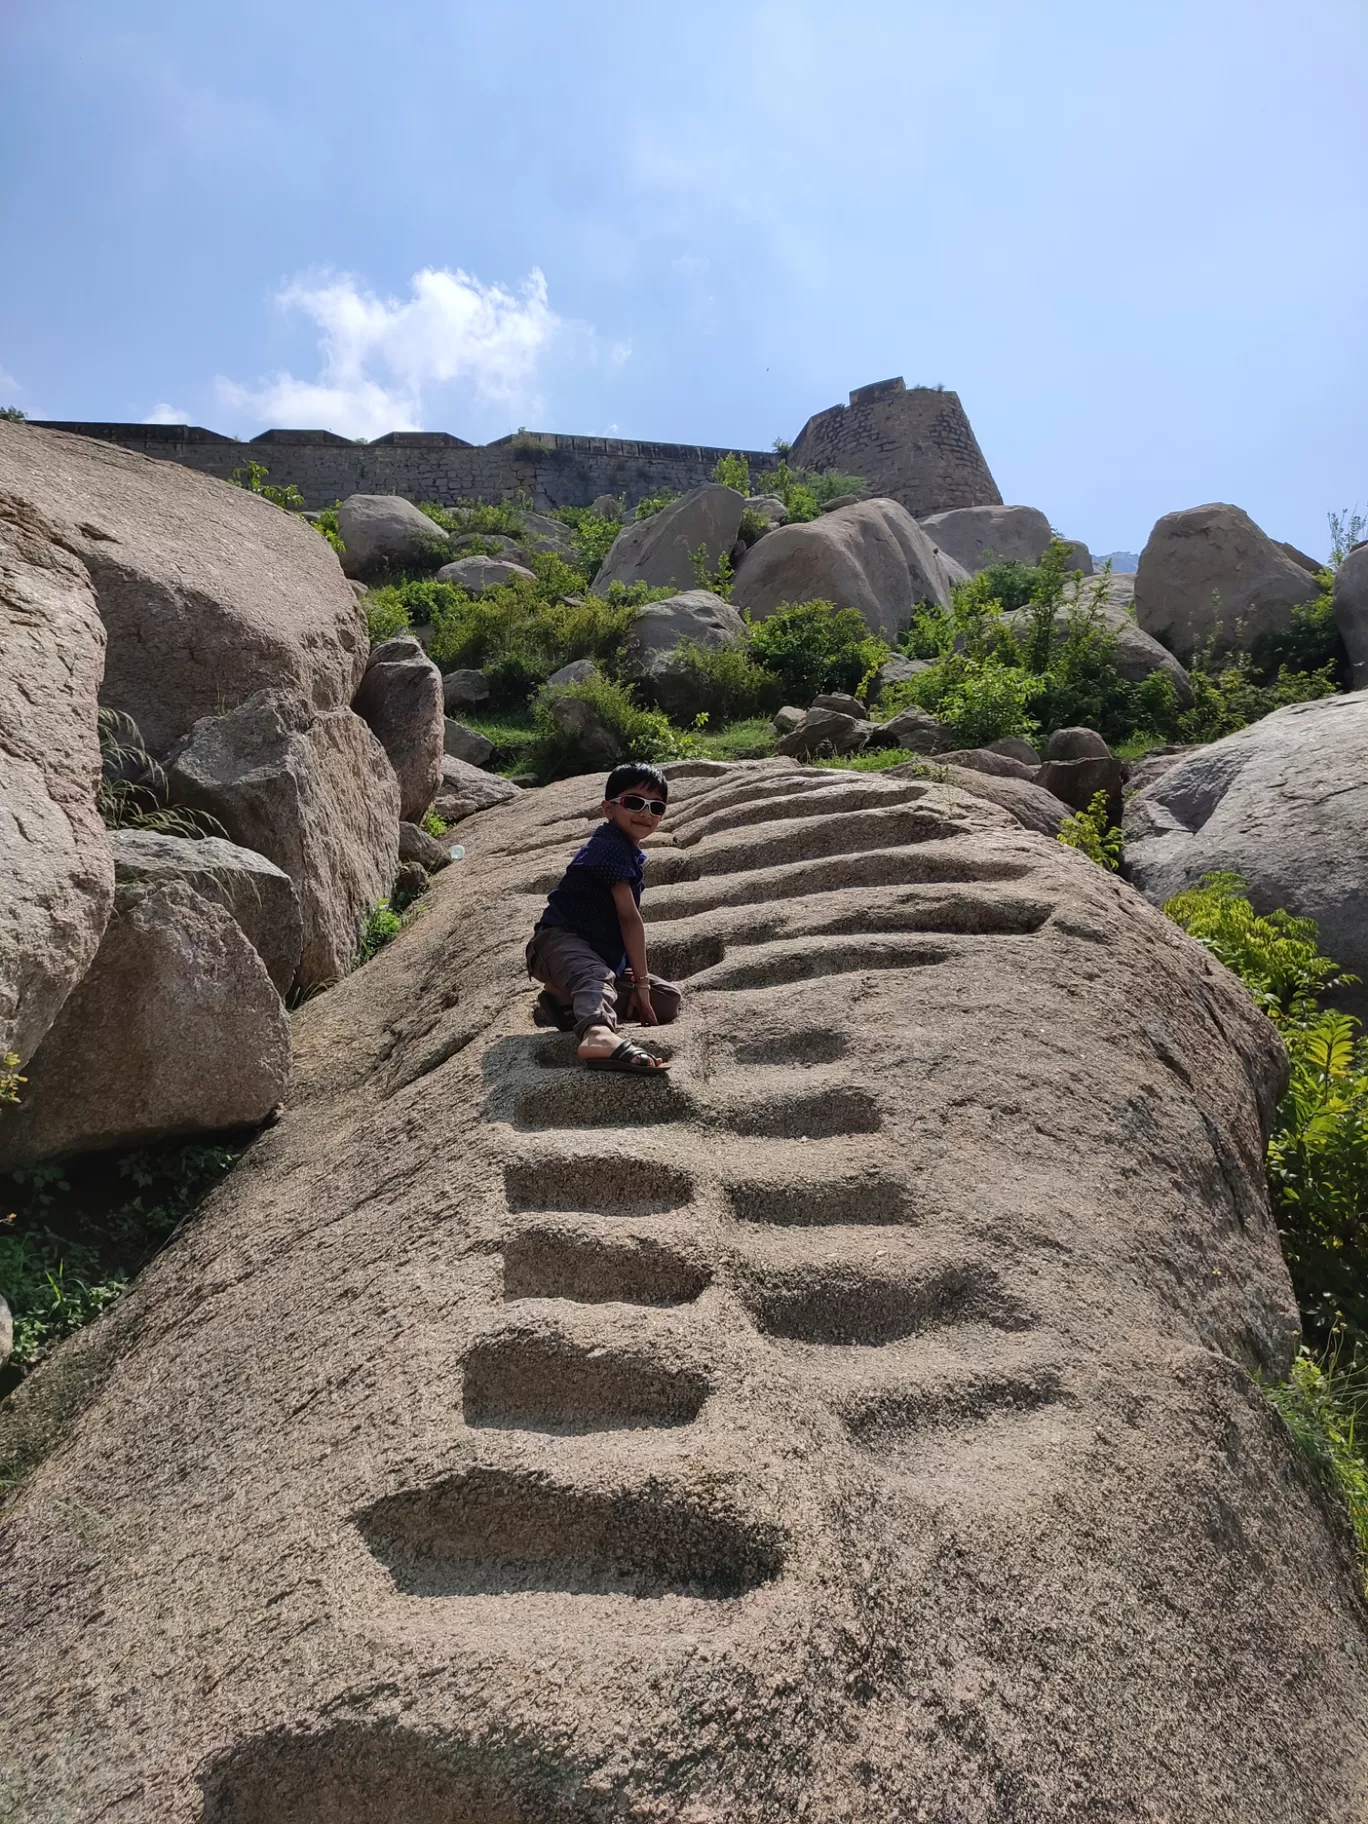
x=1283 y=802
x=579 y=722
x=541 y=533
x=417 y=847
x=175 y=1029
x=207 y=593
x=464 y=690
x=6 y=1333
x=899 y=670
x=607 y=506
x=1015 y=749
x=696 y=616
x=258 y=894
x=978 y=536
x=988 y=760
x=1025 y=802
x=872 y=556
x=385 y=531
x=578 y=671
x=1210 y=571
x=400 y=701
x=1077 y=782
x=464 y=743
x=1351 y=612
x=843 y=702
x=317 y=796
x=824 y=731
x=913 y=729
x=55 y=868
x=660 y=550
x=1076 y=744
x=859 y=1423
x=476 y=574
x=461 y=780
x=767 y=507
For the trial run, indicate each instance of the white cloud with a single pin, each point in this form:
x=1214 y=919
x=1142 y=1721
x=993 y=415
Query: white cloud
x=167 y=414
x=379 y=356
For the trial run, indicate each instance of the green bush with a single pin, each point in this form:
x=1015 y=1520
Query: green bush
x=11 y=414
x=648 y=507
x=386 y=615
x=804 y=492
x=382 y=924
x=642 y=734
x=815 y=646
x=1322 y=1406
x=722 y=684
x=980 y=699
x=733 y=471
x=1093 y=834
x=73 y=1235
x=1318 y=1152
x=1312 y=643
x=592 y=535
x=1061 y=642
x=485 y=518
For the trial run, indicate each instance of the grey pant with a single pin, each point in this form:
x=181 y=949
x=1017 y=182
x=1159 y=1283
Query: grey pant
x=577 y=976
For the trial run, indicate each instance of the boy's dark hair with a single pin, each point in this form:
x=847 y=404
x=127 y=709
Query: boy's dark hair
x=636 y=772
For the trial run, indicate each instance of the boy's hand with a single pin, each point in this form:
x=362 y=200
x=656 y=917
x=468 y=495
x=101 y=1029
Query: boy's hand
x=641 y=1000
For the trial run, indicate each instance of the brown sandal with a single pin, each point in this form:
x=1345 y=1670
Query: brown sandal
x=634 y=1060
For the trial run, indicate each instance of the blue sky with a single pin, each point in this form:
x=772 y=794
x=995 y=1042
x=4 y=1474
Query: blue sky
x=1134 y=238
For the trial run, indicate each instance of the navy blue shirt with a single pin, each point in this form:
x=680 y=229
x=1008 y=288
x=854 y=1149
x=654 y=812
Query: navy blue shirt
x=583 y=902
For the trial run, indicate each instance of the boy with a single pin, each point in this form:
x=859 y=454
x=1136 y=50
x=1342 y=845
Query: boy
x=590 y=944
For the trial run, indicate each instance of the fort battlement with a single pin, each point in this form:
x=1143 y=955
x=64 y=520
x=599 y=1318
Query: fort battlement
x=916 y=446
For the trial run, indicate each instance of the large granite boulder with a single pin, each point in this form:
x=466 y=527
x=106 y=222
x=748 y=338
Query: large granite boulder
x=385 y=532
x=207 y=593
x=542 y=535
x=696 y=616
x=660 y=551
x=465 y=744
x=55 y=865
x=317 y=796
x=872 y=556
x=476 y=575
x=1110 y=601
x=1284 y=803
x=862 y=1422
x=1210 y=572
x=978 y=536
x=471 y=786
x=1025 y=802
x=1351 y=612
x=465 y=689
x=400 y=701
x=824 y=731
x=175 y=1029
x=260 y=896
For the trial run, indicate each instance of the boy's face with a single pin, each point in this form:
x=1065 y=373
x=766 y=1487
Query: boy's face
x=635 y=823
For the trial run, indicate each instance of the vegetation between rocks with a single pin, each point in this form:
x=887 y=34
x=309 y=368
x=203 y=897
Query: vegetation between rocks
x=1317 y=1169
x=73 y=1235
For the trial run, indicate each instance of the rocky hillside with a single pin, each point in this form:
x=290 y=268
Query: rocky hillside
x=904 y=1407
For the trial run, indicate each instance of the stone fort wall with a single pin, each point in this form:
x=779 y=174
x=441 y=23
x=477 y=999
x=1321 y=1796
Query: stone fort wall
x=916 y=446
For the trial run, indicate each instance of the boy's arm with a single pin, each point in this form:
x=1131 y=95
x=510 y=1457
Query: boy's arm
x=634 y=943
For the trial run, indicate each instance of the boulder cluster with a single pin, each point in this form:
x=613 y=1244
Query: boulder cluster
x=189 y=643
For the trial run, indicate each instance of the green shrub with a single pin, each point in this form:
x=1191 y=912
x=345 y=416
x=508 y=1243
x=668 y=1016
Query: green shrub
x=383 y=922
x=11 y=414
x=1093 y=834
x=719 y=581
x=803 y=491
x=643 y=734
x=722 y=684
x=1311 y=644
x=73 y=1235
x=433 y=825
x=133 y=792
x=1318 y=1152
x=253 y=480
x=592 y=535
x=733 y=471
x=1322 y=1406
x=485 y=518
x=811 y=647
x=523 y=631
x=648 y=507
x=979 y=699
x=878 y=760
x=1347 y=529
x=386 y=615
x=1230 y=698
x=10 y=1080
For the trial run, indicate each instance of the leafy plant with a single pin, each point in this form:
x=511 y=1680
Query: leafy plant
x=386 y=615
x=1231 y=698
x=722 y=684
x=1323 y=1406
x=488 y=518
x=1093 y=833
x=11 y=414
x=433 y=825
x=75 y=1234
x=642 y=734
x=804 y=492
x=651 y=504
x=592 y=535
x=382 y=924
x=816 y=646
x=10 y=1079
x=252 y=479
x=719 y=581
x=733 y=471
x=1347 y=529
x=1318 y=1151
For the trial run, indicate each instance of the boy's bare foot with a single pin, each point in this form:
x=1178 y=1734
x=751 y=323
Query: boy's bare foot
x=600 y=1043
